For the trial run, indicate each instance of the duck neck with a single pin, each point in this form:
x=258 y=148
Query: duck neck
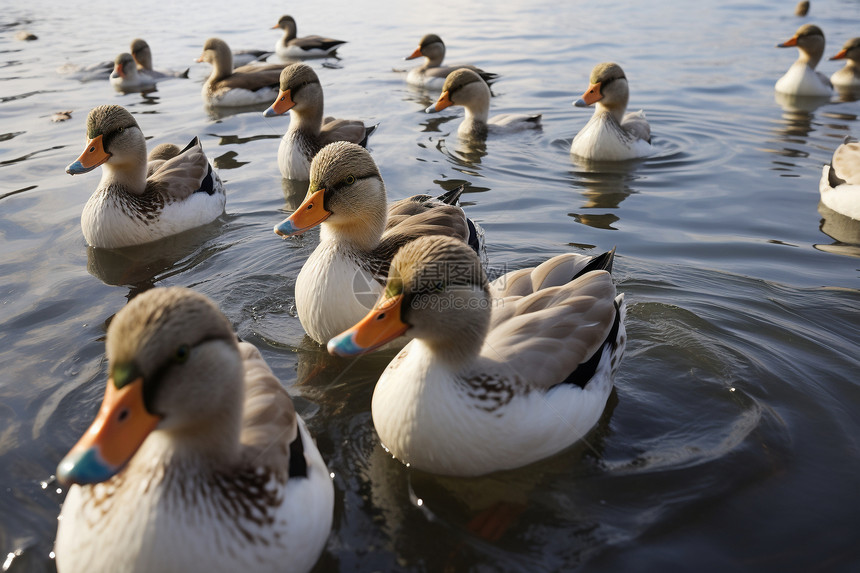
x=614 y=110
x=289 y=33
x=128 y=171
x=811 y=56
x=222 y=66
x=475 y=120
x=308 y=119
x=360 y=233
x=464 y=333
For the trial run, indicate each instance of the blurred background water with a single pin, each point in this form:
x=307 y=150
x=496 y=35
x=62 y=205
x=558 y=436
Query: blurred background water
x=731 y=440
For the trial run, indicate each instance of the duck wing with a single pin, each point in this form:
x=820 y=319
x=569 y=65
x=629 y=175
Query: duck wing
x=180 y=176
x=636 y=125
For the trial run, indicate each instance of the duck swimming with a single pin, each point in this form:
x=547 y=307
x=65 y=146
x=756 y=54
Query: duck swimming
x=302 y=95
x=849 y=75
x=465 y=88
x=610 y=134
x=431 y=74
x=801 y=79
x=840 y=181
x=197 y=460
x=497 y=375
x=291 y=46
x=244 y=86
x=136 y=202
x=359 y=234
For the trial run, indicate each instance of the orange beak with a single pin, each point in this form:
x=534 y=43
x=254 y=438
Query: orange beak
x=93 y=156
x=788 y=43
x=113 y=438
x=380 y=326
x=308 y=215
x=282 y=105
x=841 y=55
x=591 y=95
x=416 y=54
x=443 y=102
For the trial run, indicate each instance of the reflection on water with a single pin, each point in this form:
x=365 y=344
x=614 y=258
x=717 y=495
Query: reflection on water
x=295 y=191
x=845 y=232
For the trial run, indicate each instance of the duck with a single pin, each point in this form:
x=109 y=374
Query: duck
x=143 y=58
x=496 y=375
x=359 y=233
x=134 y=204
x=840 y=180
x=610 y=134
x=849 y=75
x=431 y=74
x=302 y=94
x=127 y=78
x=249 y=85
x=197 y=459
x=801 y=79
x=289 y=46
x=466 y=88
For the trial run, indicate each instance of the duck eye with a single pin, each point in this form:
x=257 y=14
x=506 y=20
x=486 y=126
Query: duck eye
x=120 y=129
x=182 y=353
x=349 y=180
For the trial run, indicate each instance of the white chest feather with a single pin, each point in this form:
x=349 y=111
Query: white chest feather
x=418 y=78
x=801 y=80
x=333 y=292
x=602 y=139
x=476 y=424
x=237 y=97
x=294 y=156
x=113 y=220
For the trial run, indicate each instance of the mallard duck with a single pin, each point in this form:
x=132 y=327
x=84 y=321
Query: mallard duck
x=497 y=375
x=127 y=78
x=289 y=46
x=801 y=79
x=465 y=88
x=359 y=234
x=243 y=86
x=840 y=181
x=302 y=94
x=133 y=204
x=431 y=74
x=197 y=460
x=610 y=134
x=143 y=58
x=849 y=75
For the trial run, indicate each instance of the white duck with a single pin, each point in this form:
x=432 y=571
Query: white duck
x=127 y=78
x=290 y=46
x=840 y=181
x=359 y=233
x=610 y=134
x=197 y=460
x=134 y=204
x=244 y=86
x=497 y=375
x=302 y=95
x=465 y=88
x=801 y=79
x=431 y=74
x=849 y=75
x=142 y=55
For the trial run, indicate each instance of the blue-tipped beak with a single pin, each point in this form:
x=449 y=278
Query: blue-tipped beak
x=431 y=109
x=286 y=228
x=344 y=345
x=77 y=168
x=580 y=103
x=84 y=467
x=270 y=112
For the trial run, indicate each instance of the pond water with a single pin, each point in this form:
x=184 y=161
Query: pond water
x=731 y=439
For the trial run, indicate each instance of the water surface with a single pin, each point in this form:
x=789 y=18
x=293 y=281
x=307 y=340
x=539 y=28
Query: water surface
x=730 y=441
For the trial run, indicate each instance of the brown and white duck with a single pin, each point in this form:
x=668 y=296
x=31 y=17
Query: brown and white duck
x=302 y=96
x=465 y=88
x=197 y=459
x=849 y=75
x=244 y=86
x=497 y=375
x=290 y=46
x=359 y=234
x=136 y=202
x=431 y=74
x=801 y=79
